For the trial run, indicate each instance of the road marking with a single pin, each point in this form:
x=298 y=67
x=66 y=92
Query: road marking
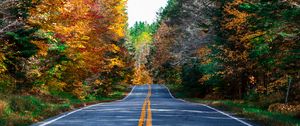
x=128 y=94
x=143 y=113
x=147 y=104
x=65 y=115
x=241 y=121
x=149 y=116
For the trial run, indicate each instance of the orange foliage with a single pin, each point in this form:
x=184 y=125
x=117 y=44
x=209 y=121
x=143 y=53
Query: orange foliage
x=163 y=42
x=89 y=30
x=142 y=76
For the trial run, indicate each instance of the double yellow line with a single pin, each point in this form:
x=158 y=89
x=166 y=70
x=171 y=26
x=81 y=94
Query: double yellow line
x=147 y=104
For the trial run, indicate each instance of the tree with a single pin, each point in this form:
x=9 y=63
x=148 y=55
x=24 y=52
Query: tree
x=80 y=40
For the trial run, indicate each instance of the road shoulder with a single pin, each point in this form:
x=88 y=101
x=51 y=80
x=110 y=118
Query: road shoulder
x=78 y=107
x=242 y=110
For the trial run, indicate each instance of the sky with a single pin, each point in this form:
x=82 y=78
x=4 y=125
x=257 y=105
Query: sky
x=144 y=10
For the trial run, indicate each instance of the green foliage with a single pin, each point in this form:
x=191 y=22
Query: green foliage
x=169 y=74
x=268 y=43
x=260 y=49
x=22 y=40
x=7 y=84
x=141 y=33
x=45 y=56
x=172 y=10
x=26 y=110
x=251 y=110
x=255 y=49
x=25 y=103
x=248 y=7
x=190 y=79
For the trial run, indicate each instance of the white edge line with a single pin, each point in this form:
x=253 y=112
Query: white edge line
x=241 y=121
x=60 y=117
x=128 y=94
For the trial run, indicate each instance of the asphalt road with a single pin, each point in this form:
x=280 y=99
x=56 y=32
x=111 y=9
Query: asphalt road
x=145 y=106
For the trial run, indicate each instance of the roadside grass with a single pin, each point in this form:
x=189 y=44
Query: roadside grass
x=249 y=110
x=23 y=110
x=244 y=109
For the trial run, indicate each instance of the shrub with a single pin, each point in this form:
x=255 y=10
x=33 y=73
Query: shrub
x=6 y=84
x=18 y=120
x=285 y=108
x=25 y=103
x=266 y=100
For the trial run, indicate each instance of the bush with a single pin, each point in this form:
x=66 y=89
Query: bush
x=252 y=96
x=6 y=84
x=25 y=103
x=266 y=100
x=285 y=108
x=18 y=120
x=120 y=87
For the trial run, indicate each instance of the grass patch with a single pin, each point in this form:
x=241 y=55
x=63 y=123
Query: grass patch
x=16 y=110
x=249 y=110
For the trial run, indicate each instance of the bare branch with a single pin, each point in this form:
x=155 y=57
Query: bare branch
x=15 y=23
x=7 y=3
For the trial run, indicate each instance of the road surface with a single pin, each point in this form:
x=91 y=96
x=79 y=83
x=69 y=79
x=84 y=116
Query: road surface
x=146 y=105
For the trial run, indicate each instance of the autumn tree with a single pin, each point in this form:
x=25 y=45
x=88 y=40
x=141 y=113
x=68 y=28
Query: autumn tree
x=15 y=46
x=238 y=49
x=185 y=26
x=250 y=51
x=73 y=46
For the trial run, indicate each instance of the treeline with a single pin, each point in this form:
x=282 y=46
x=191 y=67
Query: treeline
x=48 y=47
x=139 y=42
x=238 y=49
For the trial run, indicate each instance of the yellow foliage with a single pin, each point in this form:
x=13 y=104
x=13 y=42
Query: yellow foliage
x=115 y=48
x=33 y=73
x=113 y=12
x=203 y=54
x=205 y=78
x=249 y=36
x=79 y=91
x=97 y=82
x=85 y=38
x=252 y=80
x=88 y=29
x=2 y=66
x=66 y=18
x=240 y=17
x=56 y=85
x=116 y=62
x=43 y=47
x=277 y=84
x=142 y=76
x=261 y=89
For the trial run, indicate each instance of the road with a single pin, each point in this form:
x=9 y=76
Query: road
x=146 y=105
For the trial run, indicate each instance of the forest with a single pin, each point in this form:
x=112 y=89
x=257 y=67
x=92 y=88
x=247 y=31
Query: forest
x=57 y=55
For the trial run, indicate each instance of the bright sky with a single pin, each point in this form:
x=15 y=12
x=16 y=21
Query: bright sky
x=144 y=10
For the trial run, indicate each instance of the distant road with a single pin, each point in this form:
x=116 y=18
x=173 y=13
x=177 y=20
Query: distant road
x=146 y=105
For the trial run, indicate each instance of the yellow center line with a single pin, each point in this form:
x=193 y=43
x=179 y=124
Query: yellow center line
x=142 y=117
x=147 y=104
x=149 y=116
